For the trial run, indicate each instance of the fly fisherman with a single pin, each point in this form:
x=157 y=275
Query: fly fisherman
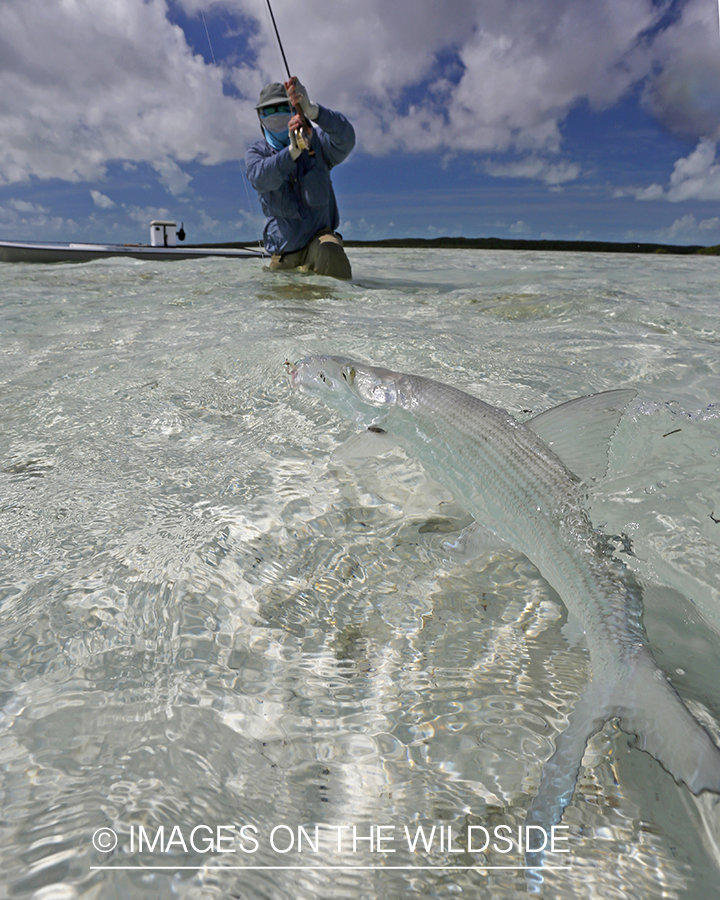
x=296 y=193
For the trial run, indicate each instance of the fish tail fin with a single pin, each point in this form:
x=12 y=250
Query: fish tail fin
x=653 y=712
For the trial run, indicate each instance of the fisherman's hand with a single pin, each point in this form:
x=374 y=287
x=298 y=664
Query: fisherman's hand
x=295 y=151
x=299 y=98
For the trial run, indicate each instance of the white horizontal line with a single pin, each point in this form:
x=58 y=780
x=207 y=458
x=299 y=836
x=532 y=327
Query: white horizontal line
x=307 y=868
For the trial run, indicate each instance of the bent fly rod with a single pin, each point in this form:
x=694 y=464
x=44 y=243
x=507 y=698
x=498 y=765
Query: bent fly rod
x=301 y=135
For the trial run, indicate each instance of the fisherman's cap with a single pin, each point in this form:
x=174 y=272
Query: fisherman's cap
x=272 y=95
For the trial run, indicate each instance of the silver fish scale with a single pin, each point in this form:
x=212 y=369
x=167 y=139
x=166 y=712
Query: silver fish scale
x=515 y=485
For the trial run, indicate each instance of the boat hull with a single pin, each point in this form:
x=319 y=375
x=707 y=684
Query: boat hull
x=33 y=252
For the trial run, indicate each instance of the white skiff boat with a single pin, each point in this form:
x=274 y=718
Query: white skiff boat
x=163 y=246
x=31 y=252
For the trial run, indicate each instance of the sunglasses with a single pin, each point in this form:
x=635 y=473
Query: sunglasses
x=273 y=110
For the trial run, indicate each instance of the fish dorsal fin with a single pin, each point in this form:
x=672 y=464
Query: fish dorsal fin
x=579 y=431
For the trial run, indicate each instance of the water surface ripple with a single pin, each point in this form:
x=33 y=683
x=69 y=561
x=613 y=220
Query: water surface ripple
x=209 y=621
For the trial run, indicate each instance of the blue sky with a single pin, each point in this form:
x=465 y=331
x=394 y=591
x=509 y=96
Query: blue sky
x=573 y=119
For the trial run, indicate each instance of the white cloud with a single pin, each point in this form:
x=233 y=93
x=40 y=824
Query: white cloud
x=709 y=224
x=688 y=228
x=652 y=192
x=27 y=220
x=694 y=177
x=144 y=215
x=536 y=168
x=697 y=176
x=682 y=227
x=84 y=82
x=172 y=176
x=684 y=92
x=361 y=229
x=24 y=206
x=102 y=201
x=209 y=225
x=489 y=76
x=471 y=77
x=87 y=82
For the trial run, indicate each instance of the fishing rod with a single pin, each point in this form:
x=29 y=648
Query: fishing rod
x=301 y=135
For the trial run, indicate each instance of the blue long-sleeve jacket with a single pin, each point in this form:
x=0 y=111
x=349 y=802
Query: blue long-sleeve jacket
x=297 y=196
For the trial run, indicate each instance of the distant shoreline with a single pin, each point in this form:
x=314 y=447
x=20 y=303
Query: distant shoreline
x=492 y=243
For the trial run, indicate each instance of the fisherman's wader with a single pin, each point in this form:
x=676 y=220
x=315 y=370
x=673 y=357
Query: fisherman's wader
x=324 y=255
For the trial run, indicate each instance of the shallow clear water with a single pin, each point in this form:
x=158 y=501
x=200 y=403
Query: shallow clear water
x=208 y=621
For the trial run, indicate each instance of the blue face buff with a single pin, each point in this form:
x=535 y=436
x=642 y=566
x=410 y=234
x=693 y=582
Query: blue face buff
x=275 y=121
x=277 y=139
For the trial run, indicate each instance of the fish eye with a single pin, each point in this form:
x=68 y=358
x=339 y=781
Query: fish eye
x=349 y=375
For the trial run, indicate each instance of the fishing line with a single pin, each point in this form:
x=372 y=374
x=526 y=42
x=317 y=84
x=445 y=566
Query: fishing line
x=212 y=52
x=253 y=217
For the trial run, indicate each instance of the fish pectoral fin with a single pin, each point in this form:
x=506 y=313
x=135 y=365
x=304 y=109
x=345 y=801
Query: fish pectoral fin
x=476 y=540
x=373 y=441
x=574 y=631
x=580 y=430
x=664 y=727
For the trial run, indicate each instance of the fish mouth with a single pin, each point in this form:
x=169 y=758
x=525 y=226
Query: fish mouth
x=293 y=371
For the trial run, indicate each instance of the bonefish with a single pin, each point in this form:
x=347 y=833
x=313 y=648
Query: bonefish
x=525 y=482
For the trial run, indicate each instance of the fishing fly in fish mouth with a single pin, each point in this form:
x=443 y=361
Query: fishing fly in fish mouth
x=526 y=482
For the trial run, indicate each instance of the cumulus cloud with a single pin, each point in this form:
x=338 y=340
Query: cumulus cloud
x=694 y=177
x=652 y=192
x=87 y=82
x=684 y=92
x=143 y=215
x=102 y=201
x=84 y=82
x=172 y=176
x=688 y=227
x=709 y=224
x=476 y=77
x=540 y=169
x=24 y=207
x=25 y=219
